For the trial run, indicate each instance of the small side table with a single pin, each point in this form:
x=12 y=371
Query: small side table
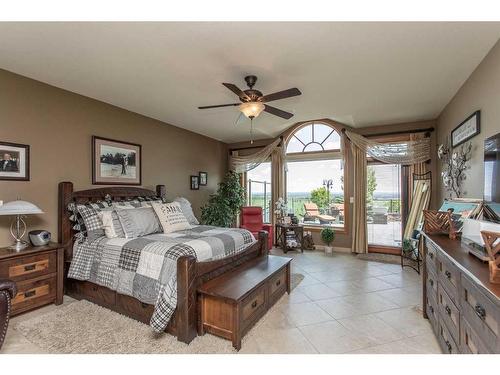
x=281 y=231
x=38 y=272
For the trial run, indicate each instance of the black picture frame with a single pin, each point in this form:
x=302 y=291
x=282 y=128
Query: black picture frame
x=194 y=182
x=474 y=121
x=98 y=179
x=203 y=178
x=18 y=168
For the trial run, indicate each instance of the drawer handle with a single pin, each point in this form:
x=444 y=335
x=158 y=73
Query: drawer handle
x=29 y=293
x=278 y=283
x=431 y=309
x=448 y=345
x=431 y=255
x=30 y=267
x=480 y=311
x=431 y=282
x=254 y=304
x=448 y=310
x=448 y=274
x=144 y=305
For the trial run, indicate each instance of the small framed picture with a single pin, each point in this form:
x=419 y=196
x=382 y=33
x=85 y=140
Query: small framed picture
x=115 y=162
x=203 y=178
x=195 y=182
x=14 y=161
x=467 y=129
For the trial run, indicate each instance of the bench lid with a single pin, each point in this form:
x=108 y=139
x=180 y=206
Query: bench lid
x=236 y=284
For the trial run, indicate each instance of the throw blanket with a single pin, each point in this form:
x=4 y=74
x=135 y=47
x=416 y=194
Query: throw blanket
x=146 y=267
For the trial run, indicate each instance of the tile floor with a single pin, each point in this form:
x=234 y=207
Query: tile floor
x=343 y=305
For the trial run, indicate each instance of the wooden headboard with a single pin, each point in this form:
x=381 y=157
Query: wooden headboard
x=67 y=195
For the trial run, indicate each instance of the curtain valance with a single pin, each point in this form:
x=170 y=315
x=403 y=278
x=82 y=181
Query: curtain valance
x=404 y=152
x=246 y=163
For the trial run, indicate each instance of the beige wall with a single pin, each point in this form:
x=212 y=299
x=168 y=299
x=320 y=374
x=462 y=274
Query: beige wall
x=481 y=91
x=58 y=126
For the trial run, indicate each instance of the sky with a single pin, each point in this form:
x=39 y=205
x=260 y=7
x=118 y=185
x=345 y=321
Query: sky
x=306 y=176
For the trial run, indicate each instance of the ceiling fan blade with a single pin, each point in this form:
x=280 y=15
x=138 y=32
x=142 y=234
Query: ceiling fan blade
x=280 y=95
x=219 y=105
x=277 y=112
x=237 y=91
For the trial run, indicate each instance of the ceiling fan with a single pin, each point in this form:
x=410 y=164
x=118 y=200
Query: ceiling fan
x=253 y=101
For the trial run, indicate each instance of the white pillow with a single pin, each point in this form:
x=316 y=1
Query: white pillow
x=171 y=216
x=187 y=210
x=107 y=223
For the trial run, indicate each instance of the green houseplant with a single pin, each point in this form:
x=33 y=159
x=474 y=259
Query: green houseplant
x=327 y=236
x=224 y=206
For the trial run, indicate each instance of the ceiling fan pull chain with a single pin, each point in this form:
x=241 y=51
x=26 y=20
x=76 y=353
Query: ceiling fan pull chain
x=251 y=130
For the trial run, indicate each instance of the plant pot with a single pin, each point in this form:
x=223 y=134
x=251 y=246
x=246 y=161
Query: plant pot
x=329 y=250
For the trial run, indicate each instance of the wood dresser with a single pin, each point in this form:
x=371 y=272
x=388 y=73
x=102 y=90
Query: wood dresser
x=38 y=273
x=232 y=303
x=460 y=302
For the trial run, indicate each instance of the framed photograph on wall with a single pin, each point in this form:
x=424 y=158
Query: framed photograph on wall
x=14 y=161
x=203 y=178
x=115 y=162
x=195 y=182
x=467 y=129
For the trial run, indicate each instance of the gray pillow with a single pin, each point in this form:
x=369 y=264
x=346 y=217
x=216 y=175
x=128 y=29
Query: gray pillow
x=187 y=210
x=137 y=222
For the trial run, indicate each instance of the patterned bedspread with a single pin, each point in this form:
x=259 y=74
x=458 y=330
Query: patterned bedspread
x=146 y=267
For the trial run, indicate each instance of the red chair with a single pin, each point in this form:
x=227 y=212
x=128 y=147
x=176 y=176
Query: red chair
x=251 y=219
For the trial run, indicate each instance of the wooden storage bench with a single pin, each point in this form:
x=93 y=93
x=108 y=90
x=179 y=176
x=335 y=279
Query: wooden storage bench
x=232 y=303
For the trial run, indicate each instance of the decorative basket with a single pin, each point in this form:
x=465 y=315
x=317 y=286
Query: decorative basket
x=440 y=222
x=492 y=244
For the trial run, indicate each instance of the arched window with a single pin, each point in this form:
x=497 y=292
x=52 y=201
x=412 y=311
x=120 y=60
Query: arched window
x=315 y=175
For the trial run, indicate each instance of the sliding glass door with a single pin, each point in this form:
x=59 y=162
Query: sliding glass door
x=384 y=202
x=258 y=186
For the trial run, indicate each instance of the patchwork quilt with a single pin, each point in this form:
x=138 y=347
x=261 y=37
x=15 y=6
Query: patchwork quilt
x=146 y=267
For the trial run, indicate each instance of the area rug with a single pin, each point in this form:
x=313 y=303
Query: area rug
x=84 y=327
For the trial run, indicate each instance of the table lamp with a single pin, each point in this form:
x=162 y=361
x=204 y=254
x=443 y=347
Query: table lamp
x=18 y=227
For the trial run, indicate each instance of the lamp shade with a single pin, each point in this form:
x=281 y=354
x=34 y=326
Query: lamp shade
x=251 y=109
x=19 y=208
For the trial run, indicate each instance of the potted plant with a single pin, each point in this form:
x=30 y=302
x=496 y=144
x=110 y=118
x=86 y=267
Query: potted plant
x=327 y=236
x=224 y=206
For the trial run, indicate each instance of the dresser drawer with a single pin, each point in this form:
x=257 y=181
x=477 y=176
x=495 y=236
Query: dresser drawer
x=28 y=267
x=431 y=283
x=277 y=285
x=253 y=304
x=34 y=293
x=470 y=343
x=430 y=255
x=448 y=276
x=481 y=313
x=446 y=340
x=432 y=311
x=449 y=313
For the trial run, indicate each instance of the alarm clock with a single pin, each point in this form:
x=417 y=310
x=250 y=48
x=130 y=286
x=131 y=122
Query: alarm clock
x=39 y=237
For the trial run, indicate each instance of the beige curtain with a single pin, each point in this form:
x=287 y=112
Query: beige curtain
x=246 y=163
x=278 y=167
x=359 y=226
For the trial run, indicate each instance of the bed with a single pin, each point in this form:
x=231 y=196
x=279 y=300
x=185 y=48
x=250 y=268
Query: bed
x=190 y=272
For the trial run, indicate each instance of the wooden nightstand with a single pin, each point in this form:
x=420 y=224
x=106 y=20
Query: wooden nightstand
x=38 y=273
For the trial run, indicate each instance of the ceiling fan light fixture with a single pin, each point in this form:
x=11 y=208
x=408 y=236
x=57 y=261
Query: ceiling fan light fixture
x=251 y=109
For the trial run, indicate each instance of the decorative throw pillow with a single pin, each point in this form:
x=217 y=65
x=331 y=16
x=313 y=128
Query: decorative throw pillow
x=111 y=223
x=93 y=224
x=171 y=216
x=137 y=222
x=187 y=210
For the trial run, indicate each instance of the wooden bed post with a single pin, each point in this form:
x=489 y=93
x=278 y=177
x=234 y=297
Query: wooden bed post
x=186 y=313
x=64 y=224
x=263 y=238
x=161 y=191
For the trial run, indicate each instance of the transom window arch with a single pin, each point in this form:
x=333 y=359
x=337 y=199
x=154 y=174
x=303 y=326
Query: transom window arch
x=313 y=137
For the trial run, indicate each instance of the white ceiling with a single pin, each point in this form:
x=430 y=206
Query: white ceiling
x=357 y=73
